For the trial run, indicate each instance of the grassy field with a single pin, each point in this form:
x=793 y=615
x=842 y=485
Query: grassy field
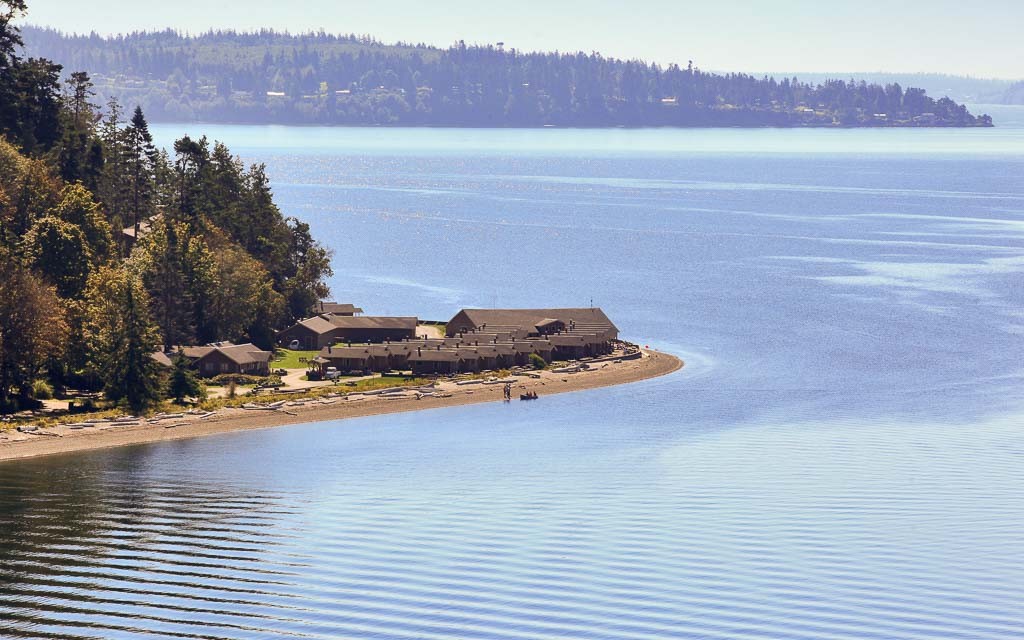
x=288 y=359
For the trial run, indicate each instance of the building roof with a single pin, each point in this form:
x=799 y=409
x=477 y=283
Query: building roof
x=348 y=353
x=530 y=319
x=374 y=322
x=247 y=353
x=435 y=355
x=145 y=226
x=341 y=308
x=328 y=322
x=162 y=358
x=316 y=324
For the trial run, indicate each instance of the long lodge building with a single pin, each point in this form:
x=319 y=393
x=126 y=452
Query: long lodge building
x=478 y=340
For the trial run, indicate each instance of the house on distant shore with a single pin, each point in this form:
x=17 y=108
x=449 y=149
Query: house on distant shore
x=317 y=332
x=225 y=357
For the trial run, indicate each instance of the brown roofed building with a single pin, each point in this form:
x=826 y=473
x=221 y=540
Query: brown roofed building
x=309 y=334
x=435 y=361
x=226 y=357
x=337 y=309
x=345 y=359
x=373 y=328
x=323 y=330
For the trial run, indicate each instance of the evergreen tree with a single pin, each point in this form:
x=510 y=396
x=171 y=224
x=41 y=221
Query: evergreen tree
x=182 y=381
x=124 y=339
x=141 y=159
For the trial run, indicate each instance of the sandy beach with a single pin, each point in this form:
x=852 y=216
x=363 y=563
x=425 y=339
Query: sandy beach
x=99 y=435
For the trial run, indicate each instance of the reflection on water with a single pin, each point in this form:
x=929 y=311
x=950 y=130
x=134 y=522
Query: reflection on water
x=841 y=458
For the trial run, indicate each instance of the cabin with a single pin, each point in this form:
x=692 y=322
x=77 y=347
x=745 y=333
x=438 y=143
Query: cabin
x=365 y=358
x=224 y=357
x=435 y=361
x=344 y=359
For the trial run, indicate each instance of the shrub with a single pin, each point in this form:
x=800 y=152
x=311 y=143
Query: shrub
x=183 y=382
x=237 y=378
x=537 y=362
x=41 y=390
x=271 y=381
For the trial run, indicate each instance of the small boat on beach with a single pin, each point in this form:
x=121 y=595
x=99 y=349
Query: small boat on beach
x=529 y=395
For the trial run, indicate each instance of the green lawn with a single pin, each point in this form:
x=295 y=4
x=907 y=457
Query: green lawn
x=288 y=359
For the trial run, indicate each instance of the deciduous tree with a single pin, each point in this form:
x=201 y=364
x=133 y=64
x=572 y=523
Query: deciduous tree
x=32 y=329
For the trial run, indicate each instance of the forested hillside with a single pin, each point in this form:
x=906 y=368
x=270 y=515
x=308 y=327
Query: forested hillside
x=326 y=79
x=207 y=255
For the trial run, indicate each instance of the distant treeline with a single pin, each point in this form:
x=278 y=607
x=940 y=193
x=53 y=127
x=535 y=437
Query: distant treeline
x=317 y=78
x=968 y=89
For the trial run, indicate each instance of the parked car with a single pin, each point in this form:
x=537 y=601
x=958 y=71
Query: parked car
x=331 y=373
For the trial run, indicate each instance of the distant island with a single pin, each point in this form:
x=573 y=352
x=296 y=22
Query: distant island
x=319 y=78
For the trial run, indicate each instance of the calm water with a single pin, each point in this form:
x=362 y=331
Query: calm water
x=843 y=456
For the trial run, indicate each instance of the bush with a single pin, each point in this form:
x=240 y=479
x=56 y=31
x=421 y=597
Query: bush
x=237 y=378
x=41 y=390
x=271 y=381
x=537 y=362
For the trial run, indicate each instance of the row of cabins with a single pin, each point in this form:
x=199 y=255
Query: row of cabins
x=476 y=340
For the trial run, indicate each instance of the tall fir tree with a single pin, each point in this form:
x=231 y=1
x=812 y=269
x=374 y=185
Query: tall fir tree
x=124 y=339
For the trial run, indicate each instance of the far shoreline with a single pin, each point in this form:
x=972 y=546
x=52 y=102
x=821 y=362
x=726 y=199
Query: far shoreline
x=60 y=440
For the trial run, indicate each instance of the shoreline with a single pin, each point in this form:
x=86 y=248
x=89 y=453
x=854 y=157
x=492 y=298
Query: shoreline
x=59 y=440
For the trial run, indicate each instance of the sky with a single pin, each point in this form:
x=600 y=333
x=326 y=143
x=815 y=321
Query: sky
x=981 y=38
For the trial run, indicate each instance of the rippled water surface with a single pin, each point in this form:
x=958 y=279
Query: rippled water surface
x=842 y=457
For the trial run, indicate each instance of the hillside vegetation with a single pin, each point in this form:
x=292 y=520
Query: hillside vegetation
x=110 y=248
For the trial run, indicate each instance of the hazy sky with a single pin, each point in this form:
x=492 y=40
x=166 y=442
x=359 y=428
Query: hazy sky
x=981 y=38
